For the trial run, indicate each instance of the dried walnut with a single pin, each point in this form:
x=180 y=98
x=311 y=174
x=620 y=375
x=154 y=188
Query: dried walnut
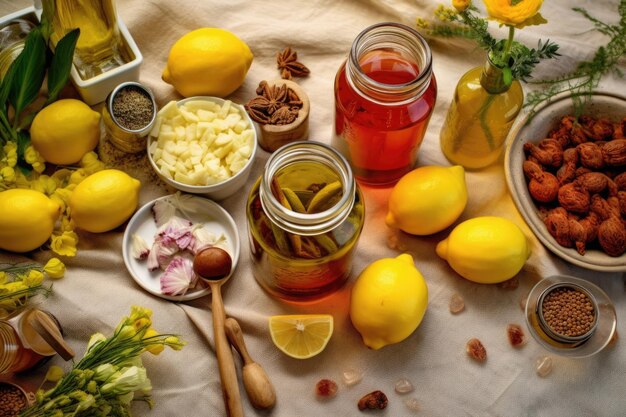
x=580 y=167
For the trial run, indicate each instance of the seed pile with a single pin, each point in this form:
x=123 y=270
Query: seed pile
x=12 y=400
x=568 y=312
x=132 y=108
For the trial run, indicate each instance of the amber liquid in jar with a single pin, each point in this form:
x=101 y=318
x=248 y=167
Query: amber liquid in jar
x=383 y=102
x=300 y=266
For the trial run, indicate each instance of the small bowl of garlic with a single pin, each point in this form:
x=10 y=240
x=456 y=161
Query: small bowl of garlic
x=203 y=145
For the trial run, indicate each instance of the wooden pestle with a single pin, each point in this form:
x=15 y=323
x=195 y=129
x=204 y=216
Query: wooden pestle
x=256 y=382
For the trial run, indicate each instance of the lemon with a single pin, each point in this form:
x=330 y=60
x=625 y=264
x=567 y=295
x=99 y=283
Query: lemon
x=388 y=301
x=64 y=131
x=104 y=200
x=27 y=219
x=485 y=249
x=301 y=336
x=207 y=62
x=427 y=200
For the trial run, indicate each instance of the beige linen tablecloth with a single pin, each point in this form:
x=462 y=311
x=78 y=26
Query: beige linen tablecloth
x=97 y=290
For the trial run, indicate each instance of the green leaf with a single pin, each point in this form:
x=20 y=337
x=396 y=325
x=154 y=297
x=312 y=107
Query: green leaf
x=61 y=64
x=30 y=71
x=23 y=140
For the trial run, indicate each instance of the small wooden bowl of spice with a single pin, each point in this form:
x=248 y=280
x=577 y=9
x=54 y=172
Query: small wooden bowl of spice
x=13 y=399
x=281 y=109
x=129 y=114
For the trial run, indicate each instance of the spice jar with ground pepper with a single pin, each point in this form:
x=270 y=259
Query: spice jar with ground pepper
x=129 y=114
x=305 y=215
x=570 y=316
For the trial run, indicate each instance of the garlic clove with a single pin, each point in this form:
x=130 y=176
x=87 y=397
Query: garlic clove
x=139 y=248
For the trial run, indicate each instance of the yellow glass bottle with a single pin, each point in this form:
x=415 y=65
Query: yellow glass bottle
x=481 y=114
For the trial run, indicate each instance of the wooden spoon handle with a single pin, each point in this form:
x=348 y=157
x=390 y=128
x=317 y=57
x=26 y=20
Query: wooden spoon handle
x=228 y=374
x=45 y=327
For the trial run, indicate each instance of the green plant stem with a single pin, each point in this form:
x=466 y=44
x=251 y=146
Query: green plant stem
x=509 y=43
x=6 y=127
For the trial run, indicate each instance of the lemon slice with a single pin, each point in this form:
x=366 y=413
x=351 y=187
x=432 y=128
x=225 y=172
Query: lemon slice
x=301 y=336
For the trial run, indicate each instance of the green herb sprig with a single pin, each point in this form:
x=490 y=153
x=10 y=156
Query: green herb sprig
x=587 y=75
x=21 y=84
x=516 y=59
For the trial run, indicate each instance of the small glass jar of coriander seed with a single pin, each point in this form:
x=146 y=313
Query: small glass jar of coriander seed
x=305 y=215
x=570 y=316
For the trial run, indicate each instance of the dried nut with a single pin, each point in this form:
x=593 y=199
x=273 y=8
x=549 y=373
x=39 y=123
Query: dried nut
x=590 y=155
x=593 y=182
x=557 y=224
x=612 y=236
x=549 y=152
x=604 y=208
x=614 y=153
x=543 y=186
x=476 y=350
x=574 y=199
x=376 y=400
x=620 y=181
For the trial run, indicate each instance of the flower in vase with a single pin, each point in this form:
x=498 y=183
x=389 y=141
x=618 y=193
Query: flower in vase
x=517 y=13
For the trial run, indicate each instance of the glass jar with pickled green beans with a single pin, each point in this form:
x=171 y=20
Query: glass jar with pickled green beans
x=305 y=215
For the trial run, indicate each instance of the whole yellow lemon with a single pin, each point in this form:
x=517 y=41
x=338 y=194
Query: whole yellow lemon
x=207 y=62
x=27 y=219
x=104 y=200
x=388 y=301
x=64 y=131
x=427 y=200
x=485 y=249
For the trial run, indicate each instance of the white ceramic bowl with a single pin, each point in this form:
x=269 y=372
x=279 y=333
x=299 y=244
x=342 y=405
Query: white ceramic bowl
x=199 y=211
x=600 y=105
x=220 y=190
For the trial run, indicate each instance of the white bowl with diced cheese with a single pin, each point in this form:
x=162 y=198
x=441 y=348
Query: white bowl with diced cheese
x=203 y=145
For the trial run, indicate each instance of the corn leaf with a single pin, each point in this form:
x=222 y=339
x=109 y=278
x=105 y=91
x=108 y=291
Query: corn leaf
x=61 y=64
x=30 y=71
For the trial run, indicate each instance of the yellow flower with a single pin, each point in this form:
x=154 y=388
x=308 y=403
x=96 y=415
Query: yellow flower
x=138 y=312
x=44 y=184
x=61 y=176
x=7 y=174
x=54 y=374
x=3 y=277
x=62 y=197
x=54 y=268
x=91 y=164
x=21 y=181
x=461 y=5
x=422 y=23
x=67 y=224
x=33 y=278
x=175 y=343
x=10 y=153
x=78 y=175
x=445 y=14
x=64 y=244
x=155 y=348
x=512 y=13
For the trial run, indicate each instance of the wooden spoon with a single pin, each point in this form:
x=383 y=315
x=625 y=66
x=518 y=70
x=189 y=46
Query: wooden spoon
x=213 y=266
x=258 y=386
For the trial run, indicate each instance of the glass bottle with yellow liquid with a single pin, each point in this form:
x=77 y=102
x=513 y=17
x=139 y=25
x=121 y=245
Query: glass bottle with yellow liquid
x=480 y=117
x=100 y=47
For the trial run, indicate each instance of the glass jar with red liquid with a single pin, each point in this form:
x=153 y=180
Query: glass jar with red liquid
x=385 y=93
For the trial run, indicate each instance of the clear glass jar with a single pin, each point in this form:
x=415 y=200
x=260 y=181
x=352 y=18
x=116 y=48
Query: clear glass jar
x=99 y=47
x=12 y=39
x=21 y=347
x=480 y=117
x=305 y=215
x=385 y=93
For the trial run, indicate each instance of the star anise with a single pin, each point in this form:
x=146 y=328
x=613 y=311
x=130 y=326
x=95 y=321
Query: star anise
x=289 y=66
x=275 y=105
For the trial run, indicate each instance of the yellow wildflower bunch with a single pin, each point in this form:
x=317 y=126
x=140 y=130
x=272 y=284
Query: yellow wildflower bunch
x=19 y=283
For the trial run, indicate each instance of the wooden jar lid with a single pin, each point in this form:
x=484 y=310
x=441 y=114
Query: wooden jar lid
x=274 y=136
